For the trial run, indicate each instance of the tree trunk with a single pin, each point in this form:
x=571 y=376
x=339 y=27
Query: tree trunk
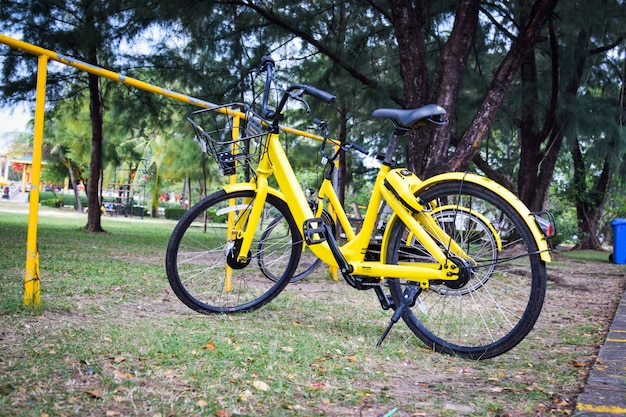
x=154 y=209
x=95 y=168
x=537 y=166
x=521 y=47
x=408 y=22
x=427 y=151
x=589 y=203
x=447 y=81
x=94 y=212
x=78 y=206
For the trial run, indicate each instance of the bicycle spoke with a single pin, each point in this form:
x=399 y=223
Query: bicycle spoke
x=198 y=264
x=501 y=300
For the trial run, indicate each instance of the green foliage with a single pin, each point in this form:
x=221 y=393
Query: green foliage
x=214 y=217
x=350 y=51
x=177 y=213
x=587 y=255
x=566 y=222
x=174 y=213
x=70 y=199
x=45 y=195
x=52 y=199
x=52 y=202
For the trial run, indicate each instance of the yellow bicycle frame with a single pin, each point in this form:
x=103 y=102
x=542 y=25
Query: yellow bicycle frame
x=422 y=226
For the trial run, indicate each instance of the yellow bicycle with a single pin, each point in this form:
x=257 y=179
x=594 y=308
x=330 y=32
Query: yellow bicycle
x=457 y=256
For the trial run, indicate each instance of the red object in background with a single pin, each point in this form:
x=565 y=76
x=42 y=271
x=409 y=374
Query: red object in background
x=17 y=166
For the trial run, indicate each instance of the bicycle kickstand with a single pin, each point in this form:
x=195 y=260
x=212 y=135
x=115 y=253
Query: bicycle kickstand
x=408 y=300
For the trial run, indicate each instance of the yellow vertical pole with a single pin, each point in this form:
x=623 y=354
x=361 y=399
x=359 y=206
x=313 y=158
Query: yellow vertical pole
x=333 y=270
x=228 y=283
x=32 y=281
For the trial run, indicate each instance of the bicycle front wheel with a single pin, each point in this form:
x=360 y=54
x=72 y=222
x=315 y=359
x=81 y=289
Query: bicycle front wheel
x=201 y=259
x=500 y=297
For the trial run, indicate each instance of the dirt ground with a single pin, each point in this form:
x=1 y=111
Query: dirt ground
x=541 y=378
x=581 y=296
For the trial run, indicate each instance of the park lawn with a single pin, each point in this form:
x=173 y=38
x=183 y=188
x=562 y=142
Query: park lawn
x=111 y=339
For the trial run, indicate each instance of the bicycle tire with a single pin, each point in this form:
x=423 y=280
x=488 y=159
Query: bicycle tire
x=493 y=317
x=201 y=258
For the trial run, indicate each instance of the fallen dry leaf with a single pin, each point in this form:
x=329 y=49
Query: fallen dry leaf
x=245 y=396
x=260 y=385
x=122 y=375
x=96 y=393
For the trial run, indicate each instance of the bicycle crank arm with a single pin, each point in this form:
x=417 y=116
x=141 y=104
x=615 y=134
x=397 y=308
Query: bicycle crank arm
x=315 y=231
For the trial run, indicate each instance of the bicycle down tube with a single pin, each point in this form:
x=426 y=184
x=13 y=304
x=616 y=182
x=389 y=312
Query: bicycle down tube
x=352 y=250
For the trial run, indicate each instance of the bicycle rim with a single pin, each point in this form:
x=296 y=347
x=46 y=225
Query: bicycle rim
x=201 y=252
x=501 y=299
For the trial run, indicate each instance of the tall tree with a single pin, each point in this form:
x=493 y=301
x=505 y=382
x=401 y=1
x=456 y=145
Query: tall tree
x=551 y=78
x=597 y=154
x=89 y=30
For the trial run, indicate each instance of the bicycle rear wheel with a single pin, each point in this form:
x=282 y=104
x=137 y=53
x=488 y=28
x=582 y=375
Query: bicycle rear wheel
x=308 y=262
x=201 y=258
x=499 y=300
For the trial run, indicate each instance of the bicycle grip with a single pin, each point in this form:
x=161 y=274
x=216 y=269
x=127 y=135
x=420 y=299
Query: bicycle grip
x=360 y=148
x=319 y=94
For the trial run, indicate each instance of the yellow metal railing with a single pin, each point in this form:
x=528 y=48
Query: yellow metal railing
x=32 y=282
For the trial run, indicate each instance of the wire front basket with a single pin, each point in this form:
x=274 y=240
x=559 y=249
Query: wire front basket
x=230 y=145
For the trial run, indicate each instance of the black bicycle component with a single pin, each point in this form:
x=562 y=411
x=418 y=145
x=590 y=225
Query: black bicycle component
x=295 y=91
x=409 y=296
x=502 y=298
x=463 y=272
x=362 y=282
x=315 y=231
x=201 y=257
x=347 y=146
x=405 y=120
x=267 y=66
x=386 y=300
x=233 y=255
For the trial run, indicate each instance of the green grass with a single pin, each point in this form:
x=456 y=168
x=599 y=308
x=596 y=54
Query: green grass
x=111 y=339
x=587 y=255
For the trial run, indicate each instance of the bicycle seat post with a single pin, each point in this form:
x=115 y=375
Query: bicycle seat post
x=391 y=149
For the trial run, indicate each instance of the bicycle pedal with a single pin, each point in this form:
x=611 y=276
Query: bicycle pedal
x=366 y=283
x=314 y=231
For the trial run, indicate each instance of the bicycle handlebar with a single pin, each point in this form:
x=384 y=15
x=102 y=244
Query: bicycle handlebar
x=315 y=92
x=267 y=66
